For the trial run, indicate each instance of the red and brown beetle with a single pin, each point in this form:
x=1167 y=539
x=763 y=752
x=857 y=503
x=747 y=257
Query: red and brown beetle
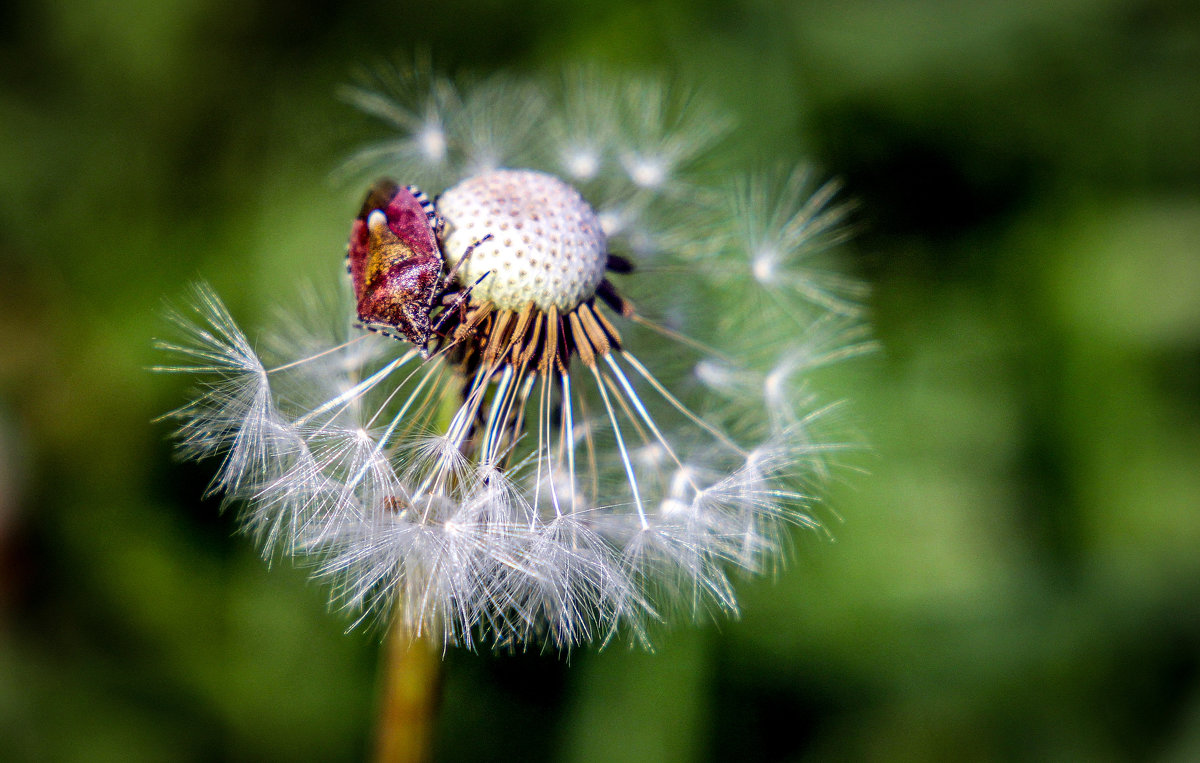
x=395 y=262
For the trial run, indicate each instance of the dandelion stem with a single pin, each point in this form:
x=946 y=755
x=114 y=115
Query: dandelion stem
x=411 y=693
x=411 y=663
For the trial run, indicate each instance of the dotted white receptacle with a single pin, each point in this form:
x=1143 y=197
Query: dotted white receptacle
x=547 y=245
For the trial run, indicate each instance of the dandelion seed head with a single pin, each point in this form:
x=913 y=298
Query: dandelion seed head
x=552 y=472
x=547 y=245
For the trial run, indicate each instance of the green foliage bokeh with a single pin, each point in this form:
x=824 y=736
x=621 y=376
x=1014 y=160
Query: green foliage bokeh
x=1017 y=572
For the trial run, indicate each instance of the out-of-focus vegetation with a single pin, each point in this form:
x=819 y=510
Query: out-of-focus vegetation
x=1018 y=572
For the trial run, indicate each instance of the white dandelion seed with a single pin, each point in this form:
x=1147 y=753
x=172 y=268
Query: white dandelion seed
x=551 y=474
x=667 y=128
x=419 y=105
x=785 y=223
x=583 y=133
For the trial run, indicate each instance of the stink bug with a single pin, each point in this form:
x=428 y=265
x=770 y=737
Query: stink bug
x=395 y=263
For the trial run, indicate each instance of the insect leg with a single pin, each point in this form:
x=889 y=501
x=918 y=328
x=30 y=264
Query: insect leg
x=458 y=302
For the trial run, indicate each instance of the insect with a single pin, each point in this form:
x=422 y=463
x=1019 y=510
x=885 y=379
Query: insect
x=395 y=262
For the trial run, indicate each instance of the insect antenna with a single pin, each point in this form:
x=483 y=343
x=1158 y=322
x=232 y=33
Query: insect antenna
x=463 y=261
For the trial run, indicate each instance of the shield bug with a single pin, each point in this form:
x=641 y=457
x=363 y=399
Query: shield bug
x=395 y=263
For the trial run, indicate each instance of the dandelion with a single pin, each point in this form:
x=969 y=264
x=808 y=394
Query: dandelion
x=591 y=443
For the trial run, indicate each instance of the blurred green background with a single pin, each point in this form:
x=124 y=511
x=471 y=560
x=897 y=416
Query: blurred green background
x=1018 y=574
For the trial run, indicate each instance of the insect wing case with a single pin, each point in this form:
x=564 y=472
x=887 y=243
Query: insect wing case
x=395 y=261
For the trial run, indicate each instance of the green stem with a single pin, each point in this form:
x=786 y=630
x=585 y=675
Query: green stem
x=411 y=668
